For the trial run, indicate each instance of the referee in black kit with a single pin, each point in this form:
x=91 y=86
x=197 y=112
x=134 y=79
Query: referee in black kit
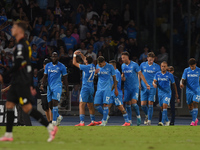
x=21 y=84
x=43 y=92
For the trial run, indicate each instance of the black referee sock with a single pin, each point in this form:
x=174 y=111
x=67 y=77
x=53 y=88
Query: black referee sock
x=10 y=120
x=39 y=117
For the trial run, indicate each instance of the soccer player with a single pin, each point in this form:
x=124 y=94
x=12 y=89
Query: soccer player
x=163 y=80
x=54 y=71
x=117 y=100
x=43 y=92
x=105 y=73
x=190 y=77
x=21 y=89
x=87 y=90
x=130 y=72
x=149 y=69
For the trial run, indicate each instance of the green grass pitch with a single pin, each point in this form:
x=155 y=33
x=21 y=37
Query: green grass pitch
x=105 y=138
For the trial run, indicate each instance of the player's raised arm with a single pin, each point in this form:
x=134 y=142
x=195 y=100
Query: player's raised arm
x=65 y=81
x=115 y=85
x=74 y=60
x=143 y=78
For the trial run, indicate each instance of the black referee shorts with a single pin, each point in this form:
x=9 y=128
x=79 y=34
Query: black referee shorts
x=45 y=105
x=20 y=94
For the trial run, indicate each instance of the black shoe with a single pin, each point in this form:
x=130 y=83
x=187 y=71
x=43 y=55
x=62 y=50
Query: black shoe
x=171 y=124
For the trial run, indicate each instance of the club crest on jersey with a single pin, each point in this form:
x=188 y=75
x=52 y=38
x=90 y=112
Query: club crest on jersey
x=19 y=47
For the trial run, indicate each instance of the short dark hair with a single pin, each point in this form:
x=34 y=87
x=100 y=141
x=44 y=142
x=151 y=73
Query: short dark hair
x=100 y=59
x=164 y=62
x=21 y=24
x=151 y=54
x=112 y=61
x=171 y=68
x=192 y=61
x=46 y=61
x=126 y=53
x=89 y=59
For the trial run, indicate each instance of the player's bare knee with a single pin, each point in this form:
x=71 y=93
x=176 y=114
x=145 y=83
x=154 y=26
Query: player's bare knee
x=150 y=103
x=96 y=104
x=195 y=104
x=55 y=103
x=105 y=105
x=190 y=106
x=27 y=108
x=143 y=102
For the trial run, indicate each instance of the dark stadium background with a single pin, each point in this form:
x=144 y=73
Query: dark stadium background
x=169 y=28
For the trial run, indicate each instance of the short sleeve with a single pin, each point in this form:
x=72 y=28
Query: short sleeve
x=112 y=70
x=137 y=68
x=83 y=67
x=155 y=77
x=184 y=76
x=172 y=78
x=64 y=70
x=46 y=70
x=141 y=67
x=118 y=76
x=122 y=67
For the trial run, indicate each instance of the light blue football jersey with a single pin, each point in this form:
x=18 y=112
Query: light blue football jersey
x=149 y=72
x=130 y=72
x=55 y=73
x=164 y=82
x=104 y=77
x=87 y=75
x=192 y=80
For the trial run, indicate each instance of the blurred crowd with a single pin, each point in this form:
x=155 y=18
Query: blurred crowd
x=95 y=30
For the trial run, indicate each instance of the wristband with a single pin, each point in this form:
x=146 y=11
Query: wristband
x=74 y=55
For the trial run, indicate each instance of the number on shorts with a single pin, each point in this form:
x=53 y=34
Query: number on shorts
x=107 y=99
x=198 y=97
x=167 y=99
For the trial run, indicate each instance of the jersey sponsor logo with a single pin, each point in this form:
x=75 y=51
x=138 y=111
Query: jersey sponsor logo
x=103 y=72
x=149 y=71
x=162 y=79
x=192 y=75
x=19 y=47
x=127 y=71
x=53 y=71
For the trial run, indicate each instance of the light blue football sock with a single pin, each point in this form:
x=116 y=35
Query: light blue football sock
x=145 y=109
x=164 y=114
x=105 y=113
x=136 y=108
x=129 y=111
x=55 y=113
x=194 y=115
x=99 y=109
x=92 y=117
x=82 y=117
x=126 y=117
x=150 y=112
